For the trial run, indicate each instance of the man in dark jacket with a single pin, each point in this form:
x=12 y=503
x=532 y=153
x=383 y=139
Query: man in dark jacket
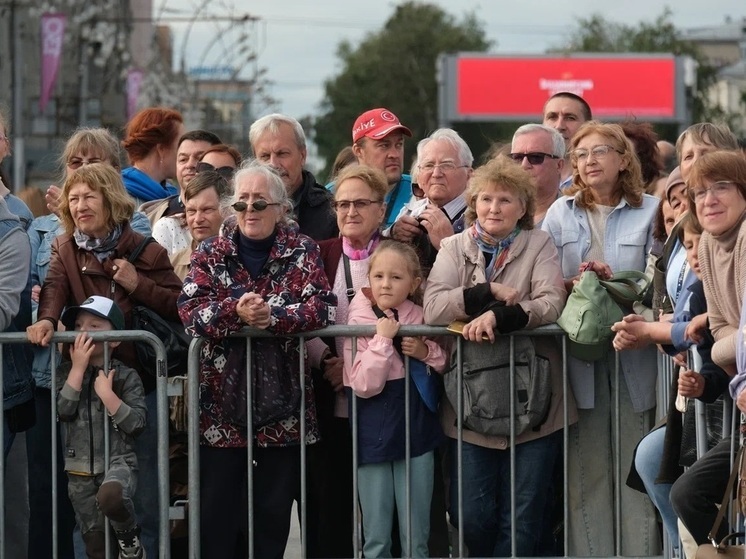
x=278 y=140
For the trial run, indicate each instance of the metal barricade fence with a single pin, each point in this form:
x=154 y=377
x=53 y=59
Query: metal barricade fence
x=162 y=427
x=458 y=548
x=165 y=389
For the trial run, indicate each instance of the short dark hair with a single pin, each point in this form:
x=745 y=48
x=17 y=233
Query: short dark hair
x=587 y=114
x=200 y=136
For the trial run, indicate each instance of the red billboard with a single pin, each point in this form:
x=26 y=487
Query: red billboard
x=512 y=88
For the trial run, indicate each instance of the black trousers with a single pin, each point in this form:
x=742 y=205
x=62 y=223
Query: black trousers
x=696 y=493
x=224 y=512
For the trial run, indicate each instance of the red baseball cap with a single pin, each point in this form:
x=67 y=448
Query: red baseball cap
x=377 y=123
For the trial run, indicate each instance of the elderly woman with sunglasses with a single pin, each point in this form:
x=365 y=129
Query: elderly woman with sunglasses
x=259 y=272
x=605 y=223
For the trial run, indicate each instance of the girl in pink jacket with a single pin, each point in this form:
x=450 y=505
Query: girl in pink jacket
x=376 y=376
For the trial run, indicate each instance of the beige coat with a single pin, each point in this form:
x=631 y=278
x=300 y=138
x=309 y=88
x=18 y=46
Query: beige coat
x=532 y=267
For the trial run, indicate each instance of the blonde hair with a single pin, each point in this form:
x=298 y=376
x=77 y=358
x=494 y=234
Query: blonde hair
x=407 y=252
x=504 y=173
x=374 y=178
x=103 y=178
x=630 y=186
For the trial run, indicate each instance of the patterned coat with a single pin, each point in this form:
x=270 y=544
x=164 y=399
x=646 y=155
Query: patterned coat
x=294 y=284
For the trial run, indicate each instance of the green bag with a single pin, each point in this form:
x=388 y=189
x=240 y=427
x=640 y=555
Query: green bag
x=628 y=287
x=588 y=316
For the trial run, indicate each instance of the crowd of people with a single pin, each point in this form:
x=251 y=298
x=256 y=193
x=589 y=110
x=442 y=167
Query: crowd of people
x=256 y=241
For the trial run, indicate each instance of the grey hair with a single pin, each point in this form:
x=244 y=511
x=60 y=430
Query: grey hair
x=271 y=123
x=277 y=191
x=451 y=137
x=558 y=142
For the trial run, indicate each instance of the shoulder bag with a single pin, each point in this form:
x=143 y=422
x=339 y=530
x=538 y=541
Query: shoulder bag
x=486 y=386
x=172 y=334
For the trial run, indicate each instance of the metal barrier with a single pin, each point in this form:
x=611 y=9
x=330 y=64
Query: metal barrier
x=162 y=426
x=354 y=331
x=165 y=389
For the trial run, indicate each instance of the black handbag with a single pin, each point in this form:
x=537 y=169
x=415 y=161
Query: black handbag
x=172 y=334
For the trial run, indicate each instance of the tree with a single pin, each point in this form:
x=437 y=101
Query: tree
x=596 y=34
x=394 y=68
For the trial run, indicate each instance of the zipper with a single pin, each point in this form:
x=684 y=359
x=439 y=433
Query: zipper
x=494 y=368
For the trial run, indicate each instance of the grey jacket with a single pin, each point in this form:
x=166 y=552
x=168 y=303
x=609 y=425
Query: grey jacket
x=83 y=413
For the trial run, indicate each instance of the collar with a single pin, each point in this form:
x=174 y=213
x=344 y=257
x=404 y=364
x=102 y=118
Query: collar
x=454 y=208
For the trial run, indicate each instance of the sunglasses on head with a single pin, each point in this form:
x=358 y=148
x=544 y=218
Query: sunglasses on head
x=535 y=157
x=225 y=172
x=258 y=205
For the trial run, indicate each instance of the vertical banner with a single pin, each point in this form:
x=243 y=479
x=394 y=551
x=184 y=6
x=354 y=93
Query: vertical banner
x=52 y=34
x=134 y=81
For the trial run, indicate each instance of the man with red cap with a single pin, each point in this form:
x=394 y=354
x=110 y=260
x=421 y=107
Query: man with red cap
x=378 y=141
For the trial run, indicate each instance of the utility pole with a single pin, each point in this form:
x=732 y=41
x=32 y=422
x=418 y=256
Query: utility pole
x=16 y=53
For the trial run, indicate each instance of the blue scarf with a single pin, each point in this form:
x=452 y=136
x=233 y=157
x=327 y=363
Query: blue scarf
x=141 y=186
x=498 y=248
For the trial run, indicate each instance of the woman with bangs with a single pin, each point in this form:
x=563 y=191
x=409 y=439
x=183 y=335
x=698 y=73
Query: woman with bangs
x=91 y=258
x=717 y=191
x=85 y=147
x=500 y=275
x=604 y=224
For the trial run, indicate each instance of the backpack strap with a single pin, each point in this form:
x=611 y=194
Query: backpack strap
x=139 y=248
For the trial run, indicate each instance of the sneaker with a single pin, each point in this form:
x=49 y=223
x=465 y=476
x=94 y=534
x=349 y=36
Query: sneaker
x=129 y=544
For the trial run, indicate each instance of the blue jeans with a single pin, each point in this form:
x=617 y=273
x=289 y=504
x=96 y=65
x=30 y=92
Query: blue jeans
x=647 y=463
x=486 y=501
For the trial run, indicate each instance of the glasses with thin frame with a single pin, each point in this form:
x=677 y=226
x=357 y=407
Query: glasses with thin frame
x=597 y=152
x=534 y=157
x=718 y=190
x=78 y=162
x=258 y=205
x=344 y=206
x=445 y=167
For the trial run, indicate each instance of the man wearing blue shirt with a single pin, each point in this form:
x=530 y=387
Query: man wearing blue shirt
x=378 y=141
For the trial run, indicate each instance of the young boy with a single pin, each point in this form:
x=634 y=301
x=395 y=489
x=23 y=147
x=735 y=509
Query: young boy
x=87 y=398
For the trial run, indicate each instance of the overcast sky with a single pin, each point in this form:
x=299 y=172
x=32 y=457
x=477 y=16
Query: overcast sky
x=297 y=39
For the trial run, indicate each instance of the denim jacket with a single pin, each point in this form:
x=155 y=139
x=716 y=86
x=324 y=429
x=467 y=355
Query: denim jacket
x=18 y=386
x=628 y=240
x=42 y=233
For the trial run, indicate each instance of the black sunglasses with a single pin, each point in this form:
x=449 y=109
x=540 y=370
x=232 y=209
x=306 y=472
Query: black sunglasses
x=535 y=157
x=258 y=205
x=225 y=172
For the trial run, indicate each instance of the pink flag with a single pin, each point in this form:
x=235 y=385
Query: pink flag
x=134 y=81
x=52 y=34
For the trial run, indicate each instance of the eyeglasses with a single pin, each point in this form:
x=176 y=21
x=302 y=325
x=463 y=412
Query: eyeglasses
x=534 y=157
x=258 y=205
x=598 y=152
x=446 y=167
x=78 y=162
x=718 y=190
x=345 y=205
x=225 y=172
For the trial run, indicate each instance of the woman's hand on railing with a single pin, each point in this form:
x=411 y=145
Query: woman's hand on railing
x=481 y=328
x=691 y=384
x=40 y=333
